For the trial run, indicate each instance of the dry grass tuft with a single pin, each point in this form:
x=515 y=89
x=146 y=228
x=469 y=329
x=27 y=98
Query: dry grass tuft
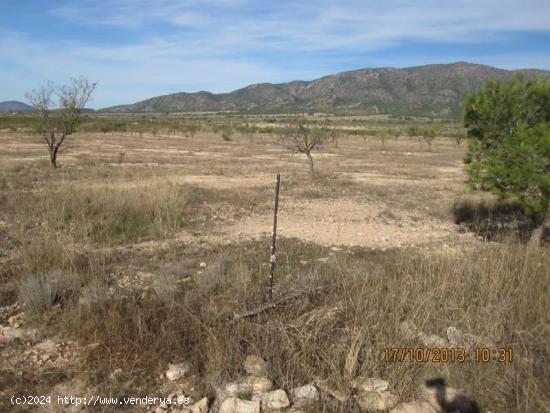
x=38 y=293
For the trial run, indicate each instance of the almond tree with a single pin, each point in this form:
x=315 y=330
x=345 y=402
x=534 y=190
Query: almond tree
x=298 y=136
x=59 y=110
x=428 y=135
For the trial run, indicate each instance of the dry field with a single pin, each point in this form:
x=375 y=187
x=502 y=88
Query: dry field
x=139 y=251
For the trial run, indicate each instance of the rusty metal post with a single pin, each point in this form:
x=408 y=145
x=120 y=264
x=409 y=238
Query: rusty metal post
x=274 y=237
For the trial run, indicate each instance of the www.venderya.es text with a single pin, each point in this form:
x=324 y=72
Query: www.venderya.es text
x=95 y=400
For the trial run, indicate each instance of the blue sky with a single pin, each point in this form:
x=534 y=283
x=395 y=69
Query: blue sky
x=137 y=49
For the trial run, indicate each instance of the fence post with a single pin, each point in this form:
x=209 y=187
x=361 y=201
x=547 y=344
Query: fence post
x=274 y=236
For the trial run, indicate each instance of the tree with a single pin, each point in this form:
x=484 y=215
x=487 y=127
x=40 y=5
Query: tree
x=382 y=134
x=192 y=129
x=428 y=135
x=458 y=136
x=508 y=130
x=412 y=131
x=56 y=120
x=300 y=137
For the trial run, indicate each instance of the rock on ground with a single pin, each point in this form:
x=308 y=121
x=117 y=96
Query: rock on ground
x=236 y=405
x=200 y=407
x=177 y=370
x=276 y=399
x=249 y=384
x=366 y=385
x=377 y=401
x=304 y=395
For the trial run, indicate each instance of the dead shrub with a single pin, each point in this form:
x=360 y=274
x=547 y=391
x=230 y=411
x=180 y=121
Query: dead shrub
x=40 y=292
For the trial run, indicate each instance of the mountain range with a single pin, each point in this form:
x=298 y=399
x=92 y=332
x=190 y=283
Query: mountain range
x=436 y=89
x=14 y=106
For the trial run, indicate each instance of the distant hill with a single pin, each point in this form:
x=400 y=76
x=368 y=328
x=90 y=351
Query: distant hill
x=14 y=106
x=423 y=90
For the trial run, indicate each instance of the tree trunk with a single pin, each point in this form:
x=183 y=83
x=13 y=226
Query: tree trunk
x=310 y=159
x=541 y=234
x=53 y=156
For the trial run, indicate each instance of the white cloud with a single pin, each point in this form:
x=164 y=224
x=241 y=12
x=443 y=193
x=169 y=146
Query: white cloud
x=320 y=24
x=220 y=45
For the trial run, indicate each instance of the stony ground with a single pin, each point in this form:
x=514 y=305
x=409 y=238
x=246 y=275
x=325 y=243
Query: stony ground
x=365 y=195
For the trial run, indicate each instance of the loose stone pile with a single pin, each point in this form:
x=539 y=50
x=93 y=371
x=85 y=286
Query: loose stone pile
x=254 y=393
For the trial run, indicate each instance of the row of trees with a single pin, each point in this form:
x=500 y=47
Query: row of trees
x=60 y=110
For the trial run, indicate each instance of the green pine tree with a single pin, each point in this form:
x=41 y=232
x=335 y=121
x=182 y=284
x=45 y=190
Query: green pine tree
x=508 y=124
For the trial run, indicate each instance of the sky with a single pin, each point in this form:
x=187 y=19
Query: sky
x=136 y=49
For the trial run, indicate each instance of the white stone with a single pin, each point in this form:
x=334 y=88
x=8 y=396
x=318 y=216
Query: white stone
x=255 y=366
x=200 y=407
x=259 y=384
x=235 y=405
x=366 y=385
x=115 y=373
x=276 y=399
x=304 y=395
x=414 y=407
x=234 y=388
x=177 y=370
x=249 y=384
x=377 y=401
x=202 y=265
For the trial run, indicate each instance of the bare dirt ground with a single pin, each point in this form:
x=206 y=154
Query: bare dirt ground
x=366 y=196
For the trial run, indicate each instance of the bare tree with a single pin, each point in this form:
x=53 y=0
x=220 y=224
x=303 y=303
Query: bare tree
x=300 y=137
x=459 y=136
x=382 y=134
x=58 y=110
